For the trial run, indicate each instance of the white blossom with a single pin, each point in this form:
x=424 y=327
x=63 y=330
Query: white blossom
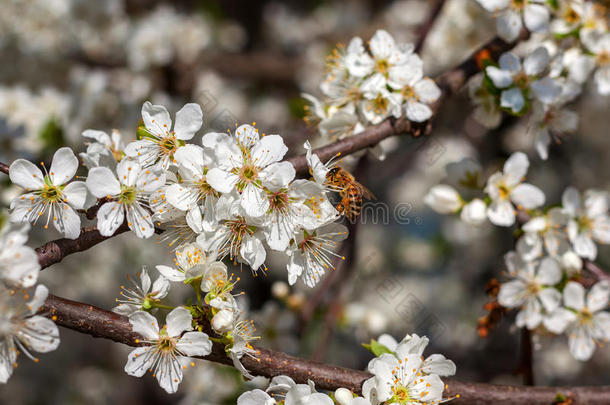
x=129 y=195
x=159 y=142
x=583 y=318
x=18 y=262
x=512 y=15
x=49 y=193
x=311 y=253
x=166 y=351
x=506 y=187
x=589 y=221
x=21 y=330
x=143 y=295
x=247 y=163
x=532 y=289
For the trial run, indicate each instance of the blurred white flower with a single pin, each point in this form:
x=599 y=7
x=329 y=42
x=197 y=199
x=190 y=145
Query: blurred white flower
x=506 y=187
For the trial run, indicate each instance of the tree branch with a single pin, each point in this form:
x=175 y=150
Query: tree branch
x=54 y=251
x=424 y=30
x=104 y=324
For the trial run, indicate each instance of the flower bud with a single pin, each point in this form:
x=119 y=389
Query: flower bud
x=475 y=212
x=443 y=199
x=343 y=396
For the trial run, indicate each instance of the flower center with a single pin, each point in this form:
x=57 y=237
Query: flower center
x=504 y=191
x=279 y=201
x=584 y=223
x=521 y=79
x=127 y=195
x=51 y=193
x=408 y=92
x=168 y=145
x=533 y=288
x=204 y=188
x=518 y=4
x=585 y=316
x=401 y=394
x=248 y=173
x=380 y=104
x=383 y=66
x=166 y=344
x=571 y=16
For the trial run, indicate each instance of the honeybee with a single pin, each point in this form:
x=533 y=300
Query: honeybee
x=350 y=190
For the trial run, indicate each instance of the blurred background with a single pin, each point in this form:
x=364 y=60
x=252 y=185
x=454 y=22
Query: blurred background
x=71 y=65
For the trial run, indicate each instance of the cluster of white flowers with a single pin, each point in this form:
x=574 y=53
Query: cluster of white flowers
x=233 y=194
x=365 y=86
x=574 y=46
x=166 y=351
x=498 y=200
x=233 y=197
x=401 y=376
x=550 y=252
x=22 y=329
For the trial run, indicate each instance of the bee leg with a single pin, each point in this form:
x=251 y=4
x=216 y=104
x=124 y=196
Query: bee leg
x=340 y=208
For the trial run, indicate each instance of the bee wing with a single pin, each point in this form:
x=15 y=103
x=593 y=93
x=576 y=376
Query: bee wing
x=366 y=193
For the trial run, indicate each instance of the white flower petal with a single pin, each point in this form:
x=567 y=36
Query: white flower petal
x=581 y=344
x=221 y=180
x=156 y=119
x=188 y=121
x=109 y=217
x=178 y=321
x=511 y=294
x=536 y=62
x=574 y=295
x=195 y=344
x=558 y=320
x=63 y=167
x=536 y=17
x=26 y=174
x=508 y=25
x=417 y=112
x=145 y=324
x=500 y=78
x=247 y=135
x=75 y=194
x=382 y=45
x=501 y=213
x=515 y=168
x=139 y=361
x=101 y=182
x=139 y=221
x=512 y=99
x=597 y=299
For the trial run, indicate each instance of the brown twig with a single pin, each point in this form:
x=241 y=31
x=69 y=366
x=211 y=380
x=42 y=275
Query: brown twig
x=596 y=270
x=3 y=168
x=526 y=368
x=100 y=323
x=424 y=30
x=55 y=251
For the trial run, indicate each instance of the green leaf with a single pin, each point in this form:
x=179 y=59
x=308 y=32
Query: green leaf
x=376 y=348
x=52 y=135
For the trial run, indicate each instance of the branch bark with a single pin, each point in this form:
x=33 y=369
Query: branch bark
x=104 y=324
x=55 y=251
x=427 y=26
